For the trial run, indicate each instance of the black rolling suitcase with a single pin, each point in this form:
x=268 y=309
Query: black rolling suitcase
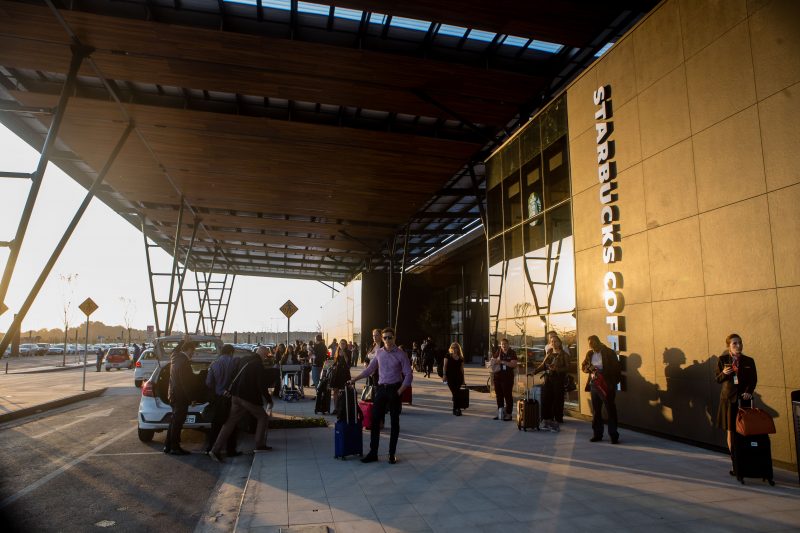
x=752 y=457
x=323 y=401
x=527 y=412
x=462 y=397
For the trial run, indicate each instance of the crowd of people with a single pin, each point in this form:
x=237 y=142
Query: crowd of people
x=239 y=386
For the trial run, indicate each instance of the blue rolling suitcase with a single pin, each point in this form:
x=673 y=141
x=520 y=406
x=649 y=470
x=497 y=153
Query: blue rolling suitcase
x=347 y=436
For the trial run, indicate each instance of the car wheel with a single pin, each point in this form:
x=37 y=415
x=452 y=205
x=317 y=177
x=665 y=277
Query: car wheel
x=108 y=369
x=138 y=383
x=146 y=435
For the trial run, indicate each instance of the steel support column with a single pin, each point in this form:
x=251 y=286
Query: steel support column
x=181 y=278
x=204 y=299
x=79 y=52
x=402 y=274
x=227 y=305
x=168 y=321
x=63 y=242
x=150 y=275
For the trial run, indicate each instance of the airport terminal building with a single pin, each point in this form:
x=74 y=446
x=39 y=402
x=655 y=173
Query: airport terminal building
x=652 y=203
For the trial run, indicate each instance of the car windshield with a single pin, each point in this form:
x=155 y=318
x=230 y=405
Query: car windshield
x=118 y=351
x=205 y=348
x=149 y=355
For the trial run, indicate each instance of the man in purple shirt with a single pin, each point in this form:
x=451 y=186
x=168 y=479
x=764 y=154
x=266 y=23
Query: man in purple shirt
x=394 y=377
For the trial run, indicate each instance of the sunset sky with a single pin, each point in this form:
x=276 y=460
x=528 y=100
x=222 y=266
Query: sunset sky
x=107 y=254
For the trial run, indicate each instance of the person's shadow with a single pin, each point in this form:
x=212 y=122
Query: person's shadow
x=646 y=411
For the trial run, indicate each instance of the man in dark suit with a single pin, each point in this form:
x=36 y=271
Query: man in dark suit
x=602 y=365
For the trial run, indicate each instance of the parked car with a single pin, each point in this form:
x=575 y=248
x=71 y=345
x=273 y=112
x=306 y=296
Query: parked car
x=144 y=367
x=55 y=350
x=28 y=349
x=43 y=348
x=118 y=358
x=155 y=411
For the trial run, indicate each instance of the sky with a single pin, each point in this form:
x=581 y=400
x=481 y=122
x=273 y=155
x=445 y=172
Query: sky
x=107 y=254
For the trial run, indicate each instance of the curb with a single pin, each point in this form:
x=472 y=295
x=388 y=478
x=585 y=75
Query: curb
x=40 y=370
x=47 y=406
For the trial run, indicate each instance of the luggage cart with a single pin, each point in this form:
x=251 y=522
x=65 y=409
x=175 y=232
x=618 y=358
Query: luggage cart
x=291 y=383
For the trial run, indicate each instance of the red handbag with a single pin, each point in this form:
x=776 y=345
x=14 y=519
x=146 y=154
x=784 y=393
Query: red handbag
x=754 y=421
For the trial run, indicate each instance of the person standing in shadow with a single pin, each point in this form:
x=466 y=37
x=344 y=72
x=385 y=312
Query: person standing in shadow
x=602 y=365
x=737 y=374
x=181 y=381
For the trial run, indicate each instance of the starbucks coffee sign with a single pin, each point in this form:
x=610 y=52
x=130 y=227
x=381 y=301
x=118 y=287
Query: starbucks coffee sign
x=609 y=217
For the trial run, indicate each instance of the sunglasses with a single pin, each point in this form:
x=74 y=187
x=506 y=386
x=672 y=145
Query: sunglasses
x=388 y=337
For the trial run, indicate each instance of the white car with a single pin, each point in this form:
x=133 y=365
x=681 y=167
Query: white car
x=154 y=409
x=118 y=358
x=55 y=350
x=145 y=366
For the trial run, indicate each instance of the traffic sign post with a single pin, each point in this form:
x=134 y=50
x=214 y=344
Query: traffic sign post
x=88 y=307
x=288 y=309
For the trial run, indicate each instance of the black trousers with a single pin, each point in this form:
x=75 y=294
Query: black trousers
x=428 y=367
x=454 y=383
x=598 y=401
x=179 y=412
x=222 y=409
x=386 y=399
x=553 y=397
x=503 y=389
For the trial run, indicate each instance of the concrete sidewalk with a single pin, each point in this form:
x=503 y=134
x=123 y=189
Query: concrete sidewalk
x=471 y=473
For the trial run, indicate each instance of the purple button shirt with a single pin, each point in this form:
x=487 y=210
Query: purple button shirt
x=394 y=367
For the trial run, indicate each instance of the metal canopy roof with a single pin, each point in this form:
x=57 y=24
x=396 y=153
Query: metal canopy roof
x=305 y=139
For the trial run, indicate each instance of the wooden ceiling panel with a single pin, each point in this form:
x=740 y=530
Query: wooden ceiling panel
x=196 y=58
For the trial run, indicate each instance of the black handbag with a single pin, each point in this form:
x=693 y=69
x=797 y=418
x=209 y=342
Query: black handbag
x=368 y=394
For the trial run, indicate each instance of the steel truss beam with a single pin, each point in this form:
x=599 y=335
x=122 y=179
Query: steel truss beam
x=79 y=52
x=23 y=311
x=176 y=274
x=216 y=292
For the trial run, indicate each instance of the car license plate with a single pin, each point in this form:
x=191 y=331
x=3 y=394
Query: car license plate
x=190 y=419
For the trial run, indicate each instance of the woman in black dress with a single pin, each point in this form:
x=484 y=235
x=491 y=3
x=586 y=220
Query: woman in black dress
x=737 y=374
x=453 y=373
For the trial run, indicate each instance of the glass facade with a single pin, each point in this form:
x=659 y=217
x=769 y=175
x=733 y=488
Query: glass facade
x=531 y=251
x=341 y=316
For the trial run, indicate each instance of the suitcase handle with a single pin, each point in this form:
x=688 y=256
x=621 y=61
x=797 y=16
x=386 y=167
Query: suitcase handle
x=752 y=402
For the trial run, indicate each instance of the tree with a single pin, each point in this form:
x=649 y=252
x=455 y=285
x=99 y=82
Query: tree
x=128 y=311
x=67 y=296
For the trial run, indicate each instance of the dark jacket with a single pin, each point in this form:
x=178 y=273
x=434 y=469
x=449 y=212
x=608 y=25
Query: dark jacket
x=340 y=373
x=320 y=354
x=251 y=385
x=181 y=379
x=612 y=372
x=748 y=377
x=559 y=359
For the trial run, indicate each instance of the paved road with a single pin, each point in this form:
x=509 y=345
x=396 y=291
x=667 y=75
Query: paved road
x=82 y=465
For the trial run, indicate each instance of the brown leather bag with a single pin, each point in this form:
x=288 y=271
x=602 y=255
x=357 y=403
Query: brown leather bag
x=754 y=421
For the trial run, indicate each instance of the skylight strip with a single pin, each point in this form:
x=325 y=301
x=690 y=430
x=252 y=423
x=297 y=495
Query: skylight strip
x=452 y=31
x=513 y=40
x=349 y=14
x=410 y=24
x=377 y=18
x=284 y=5
x=315 y=9
x=604 y=49
x=544 y=46
x=480 y=35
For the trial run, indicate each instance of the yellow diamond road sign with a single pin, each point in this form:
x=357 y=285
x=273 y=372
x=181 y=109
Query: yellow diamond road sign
x=288 y=309
x=88 y=306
